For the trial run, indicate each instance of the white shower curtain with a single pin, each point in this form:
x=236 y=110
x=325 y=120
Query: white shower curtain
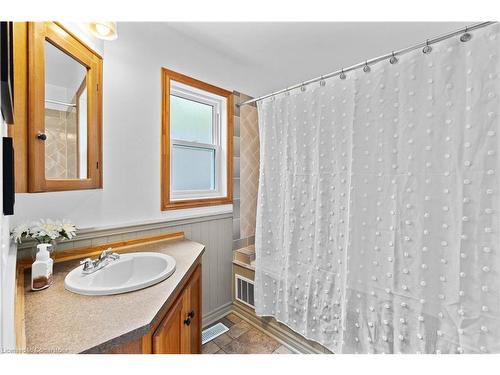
x=378 y=207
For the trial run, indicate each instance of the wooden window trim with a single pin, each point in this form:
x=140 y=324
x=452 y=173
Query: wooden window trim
x=38 y=32
x=166 y=203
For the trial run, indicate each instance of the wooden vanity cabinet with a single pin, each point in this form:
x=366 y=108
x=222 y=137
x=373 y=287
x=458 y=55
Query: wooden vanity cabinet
x=180 y=330
x=193 y=310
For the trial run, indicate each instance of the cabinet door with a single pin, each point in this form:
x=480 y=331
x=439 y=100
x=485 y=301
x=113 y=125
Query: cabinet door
x=167 y=337
x=192 y=314
x=180 y=330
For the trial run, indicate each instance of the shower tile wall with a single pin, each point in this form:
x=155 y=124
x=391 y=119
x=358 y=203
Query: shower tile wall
x=61 y=144
x=246 y=172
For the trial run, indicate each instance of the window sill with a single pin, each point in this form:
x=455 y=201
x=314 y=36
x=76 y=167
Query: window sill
x=191 y=203
x=197 y=212
x=198 y=196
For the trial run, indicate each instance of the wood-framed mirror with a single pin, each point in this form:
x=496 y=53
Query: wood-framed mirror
x=64 y=111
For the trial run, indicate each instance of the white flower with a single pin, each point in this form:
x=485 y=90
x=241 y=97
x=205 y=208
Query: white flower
x=68 y=230
x=45 y=228
x=44 y=231
x=19 y=232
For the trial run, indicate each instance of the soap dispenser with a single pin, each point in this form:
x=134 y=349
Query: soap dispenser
x=41 y=270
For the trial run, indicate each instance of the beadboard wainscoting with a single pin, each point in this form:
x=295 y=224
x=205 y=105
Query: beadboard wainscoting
x=215 y=232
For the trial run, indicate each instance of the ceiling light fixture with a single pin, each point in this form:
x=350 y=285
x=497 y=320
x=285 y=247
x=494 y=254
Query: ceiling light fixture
x=103 y=30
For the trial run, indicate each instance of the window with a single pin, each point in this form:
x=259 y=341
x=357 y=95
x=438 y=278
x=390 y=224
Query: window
x=196 y=143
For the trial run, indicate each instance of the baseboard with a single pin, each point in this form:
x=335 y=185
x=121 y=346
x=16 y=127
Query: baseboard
x=278 y=331
x=216 y=314
x=269 y=326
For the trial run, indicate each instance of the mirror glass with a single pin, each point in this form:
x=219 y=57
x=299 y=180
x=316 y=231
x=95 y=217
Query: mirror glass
x=65 y=115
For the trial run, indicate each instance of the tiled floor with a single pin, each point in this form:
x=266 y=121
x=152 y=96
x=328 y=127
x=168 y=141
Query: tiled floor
x=242 y=338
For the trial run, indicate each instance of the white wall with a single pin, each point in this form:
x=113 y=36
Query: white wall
x=131 y=131
x=7 y=268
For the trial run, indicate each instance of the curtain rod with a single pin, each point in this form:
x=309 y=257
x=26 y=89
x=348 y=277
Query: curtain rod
x=375 y=60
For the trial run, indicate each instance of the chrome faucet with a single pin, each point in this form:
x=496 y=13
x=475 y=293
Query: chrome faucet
x=91 y=266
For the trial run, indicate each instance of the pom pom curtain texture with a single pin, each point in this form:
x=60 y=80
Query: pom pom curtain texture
x=377 y=217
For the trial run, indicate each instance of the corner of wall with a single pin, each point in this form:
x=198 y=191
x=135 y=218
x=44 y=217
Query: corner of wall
x=245 y=173
x=7 y=271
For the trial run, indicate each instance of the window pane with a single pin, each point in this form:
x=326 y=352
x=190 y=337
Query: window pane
x=193 y=168
x=190 y=120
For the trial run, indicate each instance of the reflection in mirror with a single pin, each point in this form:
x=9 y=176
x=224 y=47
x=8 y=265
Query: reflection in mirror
x=65 y=115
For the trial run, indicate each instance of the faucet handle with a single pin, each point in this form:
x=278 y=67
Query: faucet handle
x=87 y=264
x=105 y=254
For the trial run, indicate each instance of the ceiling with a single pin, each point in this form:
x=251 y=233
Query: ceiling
x=271 y=56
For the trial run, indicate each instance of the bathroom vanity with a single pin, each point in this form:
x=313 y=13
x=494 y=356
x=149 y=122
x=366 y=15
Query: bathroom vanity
x=162 y=319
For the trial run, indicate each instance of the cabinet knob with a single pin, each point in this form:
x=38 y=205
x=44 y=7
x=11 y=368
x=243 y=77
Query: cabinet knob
x=190 y=316
x=42 y=136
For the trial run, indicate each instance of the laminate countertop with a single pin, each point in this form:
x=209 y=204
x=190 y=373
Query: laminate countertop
x=59 y=321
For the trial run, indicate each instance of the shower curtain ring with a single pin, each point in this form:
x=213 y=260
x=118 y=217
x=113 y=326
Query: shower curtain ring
x=466 y=36
x=393 y=60
x=427 y=48
x=366 y=68
x=302 y=87
x=322 y=81
x=342 y=74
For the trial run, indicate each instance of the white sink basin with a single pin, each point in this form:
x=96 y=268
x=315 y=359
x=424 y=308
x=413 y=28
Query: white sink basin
x=132 y=271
